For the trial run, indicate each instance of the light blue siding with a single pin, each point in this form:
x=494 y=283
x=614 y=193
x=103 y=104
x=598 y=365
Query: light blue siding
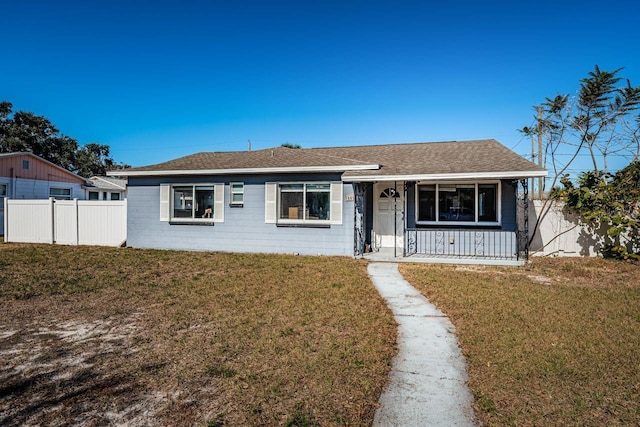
x=244 y=228
x=35 y=189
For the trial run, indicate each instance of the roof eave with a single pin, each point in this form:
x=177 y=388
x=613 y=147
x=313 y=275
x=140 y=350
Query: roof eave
x=237 y=171
x=98 y=188
x=446 y=176
x=120 y=187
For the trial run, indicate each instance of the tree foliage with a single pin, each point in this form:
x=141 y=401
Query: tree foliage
x=24 y=131
x=609 y=201
x=600 y=121
x=290 y=145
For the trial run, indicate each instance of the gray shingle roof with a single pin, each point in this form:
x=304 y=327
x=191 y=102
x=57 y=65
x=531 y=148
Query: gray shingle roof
x=390 y=160
x=438 y=158
x=280 y=157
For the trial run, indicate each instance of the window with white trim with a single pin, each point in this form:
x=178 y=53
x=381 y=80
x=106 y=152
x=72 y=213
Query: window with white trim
x=3 y=194
x=60 y=193
x=236 y=197
x=203 y=202
x=115 y=196
x=305 y=203
x=458 y=203
x=192 y=201
x=94 y=195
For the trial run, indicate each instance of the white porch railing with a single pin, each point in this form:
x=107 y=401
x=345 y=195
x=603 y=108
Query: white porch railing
x=491 y=244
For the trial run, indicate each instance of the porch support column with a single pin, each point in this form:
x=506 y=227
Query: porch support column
x=358 y=219
x=525 y=209
x=395 y=219
x=405 y=237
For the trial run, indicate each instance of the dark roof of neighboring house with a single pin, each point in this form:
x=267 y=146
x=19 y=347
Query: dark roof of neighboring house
x=436 y=160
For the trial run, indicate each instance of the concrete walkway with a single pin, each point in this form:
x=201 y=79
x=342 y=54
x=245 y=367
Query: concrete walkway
x=427 y=385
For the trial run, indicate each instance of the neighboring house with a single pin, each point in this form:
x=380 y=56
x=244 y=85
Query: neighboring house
x=106 y=188
x=442 y=198
x=27 y=176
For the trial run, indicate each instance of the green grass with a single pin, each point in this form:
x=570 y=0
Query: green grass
x=553 y=343
x=193 y=338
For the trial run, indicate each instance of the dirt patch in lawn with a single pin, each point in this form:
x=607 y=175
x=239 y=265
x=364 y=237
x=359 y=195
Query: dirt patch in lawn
x=66 y=360
x=95 y=336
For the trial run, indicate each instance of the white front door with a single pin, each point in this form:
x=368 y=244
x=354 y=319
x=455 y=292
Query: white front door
x=388 y=218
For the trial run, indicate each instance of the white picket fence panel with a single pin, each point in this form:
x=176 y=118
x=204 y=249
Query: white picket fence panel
x=66 y=222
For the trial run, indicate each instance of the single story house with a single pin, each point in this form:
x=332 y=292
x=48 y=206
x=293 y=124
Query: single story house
x=450 y=199
x=106 y=188
x=24 y=175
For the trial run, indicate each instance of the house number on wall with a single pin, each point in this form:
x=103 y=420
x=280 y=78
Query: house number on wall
x=349 y=197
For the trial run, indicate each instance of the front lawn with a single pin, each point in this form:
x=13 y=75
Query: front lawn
x=554 y=343
x=97 y=336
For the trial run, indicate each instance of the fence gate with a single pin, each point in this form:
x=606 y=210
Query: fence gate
x=66 y=222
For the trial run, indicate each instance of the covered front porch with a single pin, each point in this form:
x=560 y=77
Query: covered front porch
x=390 y=225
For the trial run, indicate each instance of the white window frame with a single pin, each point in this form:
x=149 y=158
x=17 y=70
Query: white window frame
x=304 y=204
x=167 y=197
x=437 y=184
x=192 y=218
x=97 y=193
x=273 y=204
x=59 y=197
x=3 y=194
x=232 y=193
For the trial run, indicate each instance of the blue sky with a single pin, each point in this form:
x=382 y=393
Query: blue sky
x=156 y=80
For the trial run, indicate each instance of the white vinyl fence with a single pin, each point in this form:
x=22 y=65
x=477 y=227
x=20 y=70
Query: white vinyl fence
x=559 y=233
x=66 y=222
